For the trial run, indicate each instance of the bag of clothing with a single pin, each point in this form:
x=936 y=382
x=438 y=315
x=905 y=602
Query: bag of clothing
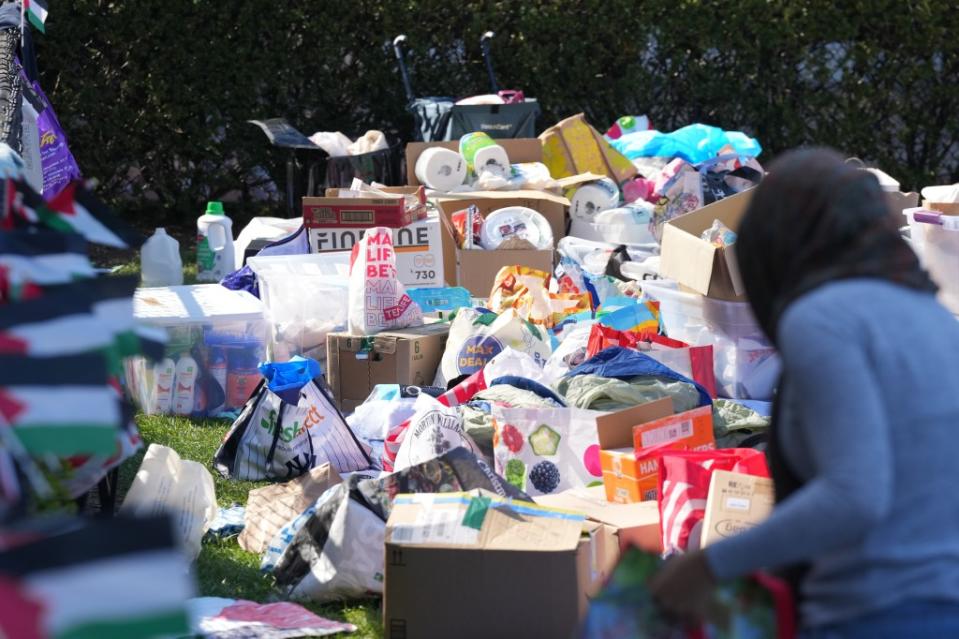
x=684 y=478
x=477 y=336
x=434 y=429
x=276 y=440
x=546 y=450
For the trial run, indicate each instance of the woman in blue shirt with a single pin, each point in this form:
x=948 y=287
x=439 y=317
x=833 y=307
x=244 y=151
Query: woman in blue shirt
x=864 y=444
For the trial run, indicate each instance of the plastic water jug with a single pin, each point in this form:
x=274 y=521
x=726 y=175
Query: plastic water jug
x=214 y=244
x=160 y=263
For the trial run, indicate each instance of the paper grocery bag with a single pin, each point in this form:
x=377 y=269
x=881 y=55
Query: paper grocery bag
x=269 y=508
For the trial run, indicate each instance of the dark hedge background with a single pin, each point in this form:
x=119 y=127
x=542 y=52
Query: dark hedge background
x=154 y=94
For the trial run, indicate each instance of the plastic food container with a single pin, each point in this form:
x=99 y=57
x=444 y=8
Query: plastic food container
x=306 y=298
x=935 y=238
x=216 y=341
x=746 y=364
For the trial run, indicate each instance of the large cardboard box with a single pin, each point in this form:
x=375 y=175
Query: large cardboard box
x=354 y=212
x=695 y=263
x=635 y=524
x=735 y=503
x=476 y=269
x=459 y=567
x=357 y=363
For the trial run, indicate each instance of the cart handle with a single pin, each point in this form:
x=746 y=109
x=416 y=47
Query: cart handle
x=484 y=46
x=404 y=74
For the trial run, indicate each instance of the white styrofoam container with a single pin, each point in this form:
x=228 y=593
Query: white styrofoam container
x=306 y=298
x=205 y=322
x=746 y=364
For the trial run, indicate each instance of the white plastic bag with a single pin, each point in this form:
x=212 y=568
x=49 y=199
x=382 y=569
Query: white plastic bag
x=434 y=430
x=378 y=300
x=477 y=337
x=570 y=353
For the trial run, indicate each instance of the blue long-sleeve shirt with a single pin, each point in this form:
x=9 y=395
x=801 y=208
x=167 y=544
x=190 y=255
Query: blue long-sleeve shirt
x=871 y=425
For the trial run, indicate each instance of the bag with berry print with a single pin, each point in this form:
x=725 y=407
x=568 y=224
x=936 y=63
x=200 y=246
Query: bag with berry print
x=434 y=430
x=546 y=450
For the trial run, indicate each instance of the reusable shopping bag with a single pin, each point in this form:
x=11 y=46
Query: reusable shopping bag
x=684 y=485
x=434 y=430
x=477 y=336
x=527 y=291
x=546 y=450
x=377 y=299
x=275 y=440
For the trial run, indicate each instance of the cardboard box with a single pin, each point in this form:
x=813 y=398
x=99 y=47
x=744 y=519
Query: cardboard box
x=357 y=363
x=356 y=212
x=695 y=263
x=736 y=502
x=518 y=150
x=625 y=480
x=420 y=258
x=510 y=569
x=899 y=201
x=476 y=269
x=634 y=524
x=692 y=428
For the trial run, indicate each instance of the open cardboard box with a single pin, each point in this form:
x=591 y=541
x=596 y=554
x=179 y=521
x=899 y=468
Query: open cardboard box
x=533 y=574
x=695 y=263
x=476 y=269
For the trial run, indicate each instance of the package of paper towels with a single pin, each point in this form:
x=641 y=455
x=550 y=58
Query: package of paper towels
x=482 y=153
x=440 y=169
x=589 y=199
x=629 y=224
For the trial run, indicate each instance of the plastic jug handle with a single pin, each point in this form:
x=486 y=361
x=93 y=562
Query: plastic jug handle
x=221 y=244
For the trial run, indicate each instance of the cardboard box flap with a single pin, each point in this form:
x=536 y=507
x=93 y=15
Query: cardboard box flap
x=592 y=503
x=615 y=430
x=525 y=197
x=576 y=180
x=481 y=520
x=518 y=150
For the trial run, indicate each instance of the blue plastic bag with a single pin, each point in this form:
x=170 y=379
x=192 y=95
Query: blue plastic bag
x=694 y=143
x=286 y=379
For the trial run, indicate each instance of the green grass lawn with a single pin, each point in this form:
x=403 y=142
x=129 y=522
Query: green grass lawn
x=223 y=568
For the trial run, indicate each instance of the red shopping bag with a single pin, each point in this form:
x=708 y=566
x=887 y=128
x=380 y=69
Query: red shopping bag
x=684 y=484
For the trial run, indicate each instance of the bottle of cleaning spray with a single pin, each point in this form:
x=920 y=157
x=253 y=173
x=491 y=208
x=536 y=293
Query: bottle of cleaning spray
x=164 y=373
x=183 y=395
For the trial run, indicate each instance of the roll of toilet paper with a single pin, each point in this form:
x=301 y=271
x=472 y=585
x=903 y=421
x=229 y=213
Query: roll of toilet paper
x=440 y=169
x=516 y=221
x=482 y=153
x=591 y=198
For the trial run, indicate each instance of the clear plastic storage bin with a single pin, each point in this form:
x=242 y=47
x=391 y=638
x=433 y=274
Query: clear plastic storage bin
x=216 y=343
x=747 y=365
x=935 y=238
x=306 y=298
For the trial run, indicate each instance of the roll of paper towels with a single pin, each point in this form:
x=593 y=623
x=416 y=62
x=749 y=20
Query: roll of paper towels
x=591 y=198
x=516 y=221
x=629 y=224
x=482 y=153
x=440 y=169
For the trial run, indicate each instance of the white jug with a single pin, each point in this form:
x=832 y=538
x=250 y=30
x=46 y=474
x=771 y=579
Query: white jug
x=160 y=262
x=214 y=244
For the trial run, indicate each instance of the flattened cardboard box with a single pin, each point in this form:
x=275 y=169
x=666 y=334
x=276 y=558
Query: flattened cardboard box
x=696 y=263
x=735 y=503
x=517 y=574
x=634 y=524
x=352 y=212
x=357 y=363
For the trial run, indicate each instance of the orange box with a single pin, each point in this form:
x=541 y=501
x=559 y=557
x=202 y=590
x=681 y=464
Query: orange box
x=693 y=429
x=630 y=476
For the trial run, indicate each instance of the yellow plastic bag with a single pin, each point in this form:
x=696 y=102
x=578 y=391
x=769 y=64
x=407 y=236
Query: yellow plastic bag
x=526 y=290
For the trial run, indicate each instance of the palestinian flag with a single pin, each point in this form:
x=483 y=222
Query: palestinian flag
x=74 y=210
x=29 y=260
x=51 y=325
x=36 y=13
x=103 y=579
x=60 y=405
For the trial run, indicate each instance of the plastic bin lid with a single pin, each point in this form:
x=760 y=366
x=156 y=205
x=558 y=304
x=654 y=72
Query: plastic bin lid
x=197 y=304
x=329 y=264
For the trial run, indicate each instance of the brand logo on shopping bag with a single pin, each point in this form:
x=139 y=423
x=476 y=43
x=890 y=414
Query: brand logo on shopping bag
x=476 y=352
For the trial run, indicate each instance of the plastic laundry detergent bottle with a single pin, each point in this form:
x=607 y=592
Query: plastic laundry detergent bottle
x=164 y=372
x=160 y=262
x=183 y=393
x=214 y=244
